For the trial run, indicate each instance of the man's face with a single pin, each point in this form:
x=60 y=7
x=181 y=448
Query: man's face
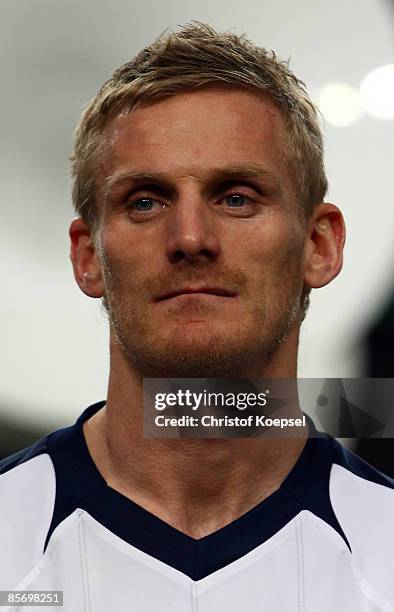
x=199 y=238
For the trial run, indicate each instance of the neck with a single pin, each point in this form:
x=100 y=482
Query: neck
x=195 y=485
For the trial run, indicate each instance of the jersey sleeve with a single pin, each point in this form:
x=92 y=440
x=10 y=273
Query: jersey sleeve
x=27 y=498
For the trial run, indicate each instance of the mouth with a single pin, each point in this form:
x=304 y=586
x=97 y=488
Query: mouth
x=199 y=290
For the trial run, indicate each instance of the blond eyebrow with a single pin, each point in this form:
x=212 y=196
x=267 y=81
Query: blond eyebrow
x=220 y=174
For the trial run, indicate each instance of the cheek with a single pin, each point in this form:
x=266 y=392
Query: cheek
x=275 y=268
x=275 y=245
x=121 y=254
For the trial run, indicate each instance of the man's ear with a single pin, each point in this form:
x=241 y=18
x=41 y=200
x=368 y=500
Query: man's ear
x=324 y=245
x=86 y=264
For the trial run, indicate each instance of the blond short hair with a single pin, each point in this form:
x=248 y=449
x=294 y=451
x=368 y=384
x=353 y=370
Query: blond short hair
x=193 y=57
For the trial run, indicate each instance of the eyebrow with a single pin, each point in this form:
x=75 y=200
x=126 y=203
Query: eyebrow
x=221 y=174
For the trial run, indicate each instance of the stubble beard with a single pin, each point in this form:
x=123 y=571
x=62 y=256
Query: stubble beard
x=247 y=347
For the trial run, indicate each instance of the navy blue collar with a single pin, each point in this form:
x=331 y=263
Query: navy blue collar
x=80 y=485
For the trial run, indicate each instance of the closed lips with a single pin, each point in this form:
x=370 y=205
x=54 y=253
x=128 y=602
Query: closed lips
x=210 y=290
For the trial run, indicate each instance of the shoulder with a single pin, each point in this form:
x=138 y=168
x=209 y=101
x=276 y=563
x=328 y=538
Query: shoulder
x=363 y=501
x=358 y=490
x=39 y=487
x=27 y=498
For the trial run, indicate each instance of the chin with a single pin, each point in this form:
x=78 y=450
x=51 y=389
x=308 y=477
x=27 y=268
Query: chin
x=199 y=358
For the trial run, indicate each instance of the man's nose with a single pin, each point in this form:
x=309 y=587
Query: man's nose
x=192 y=231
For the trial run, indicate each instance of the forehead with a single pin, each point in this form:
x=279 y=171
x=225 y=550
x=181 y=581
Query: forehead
x=187 y=134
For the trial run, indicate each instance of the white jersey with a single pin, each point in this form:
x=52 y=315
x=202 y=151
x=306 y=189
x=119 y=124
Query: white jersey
x=323 y=542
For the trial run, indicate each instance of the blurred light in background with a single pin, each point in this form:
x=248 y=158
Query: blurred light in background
x=340 y=104
x=377 y=92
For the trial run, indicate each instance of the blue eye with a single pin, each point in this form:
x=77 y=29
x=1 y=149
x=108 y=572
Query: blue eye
x=235 y=200
x=143 y=205
x=143 y=209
